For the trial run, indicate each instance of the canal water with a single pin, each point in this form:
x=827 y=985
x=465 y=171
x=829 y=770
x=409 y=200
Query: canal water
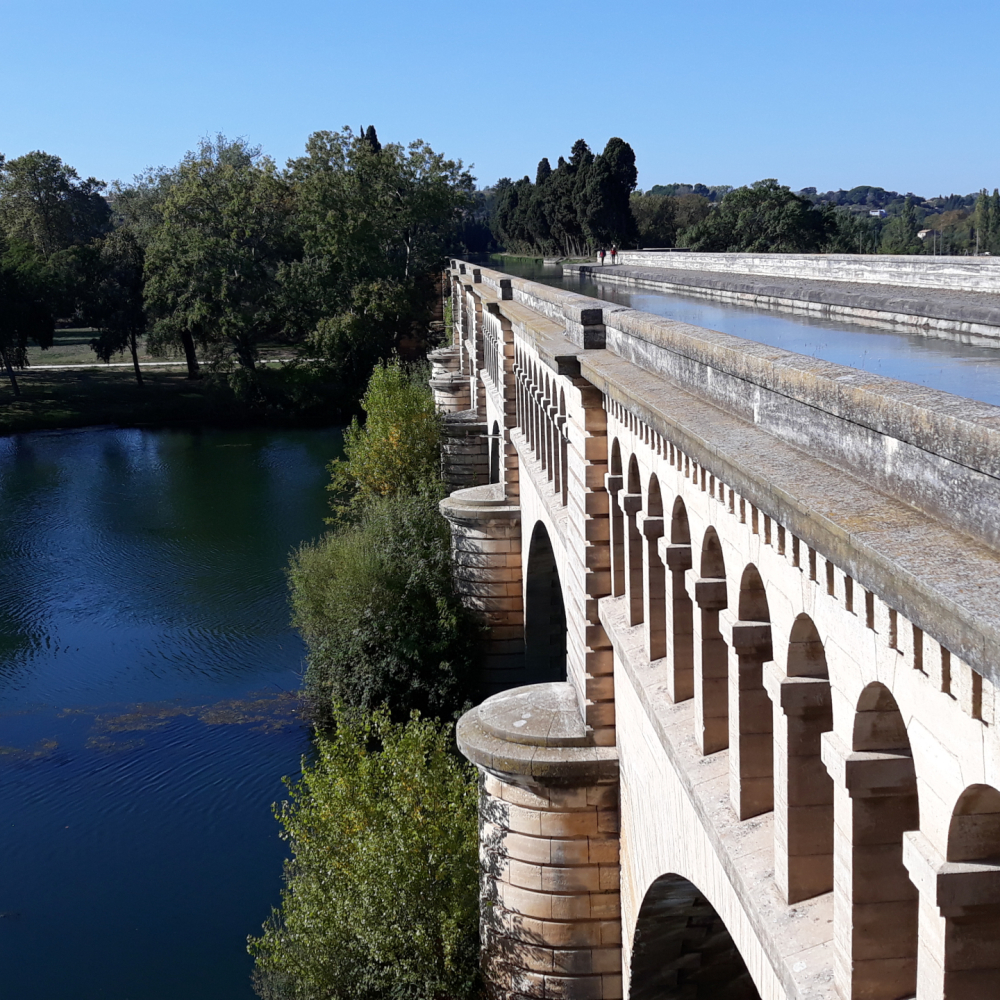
x=147 y=708
x=953 y=367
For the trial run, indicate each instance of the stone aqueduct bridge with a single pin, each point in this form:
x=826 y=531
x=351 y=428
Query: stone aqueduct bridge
x=745 y=637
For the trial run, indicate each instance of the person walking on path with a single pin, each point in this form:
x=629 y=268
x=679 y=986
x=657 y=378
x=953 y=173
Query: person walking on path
x=614 y=253
x=600 y=253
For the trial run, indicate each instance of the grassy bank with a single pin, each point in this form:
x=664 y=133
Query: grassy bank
x=89 y=396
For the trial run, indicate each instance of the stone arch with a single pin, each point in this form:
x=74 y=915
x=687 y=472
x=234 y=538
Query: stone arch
x=495 y=453
x=615 y=485
x=680 y=633
x=751 y=720
x=683 y=950
x=875 y=903
x=654 y=580
x=803 y=789
x=972 y=921
x=632 y=505
x=544 y=613
x=711 y=675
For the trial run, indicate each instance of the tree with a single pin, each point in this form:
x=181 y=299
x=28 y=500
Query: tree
x=397 y=449
x=899 y=235
x=25 y=314
x=765 y=217
x=377 y=221
x=382 y=894
x=212 y=266
x=655 y=218
x=605 y=189
x=44 y=204
x=115 y=304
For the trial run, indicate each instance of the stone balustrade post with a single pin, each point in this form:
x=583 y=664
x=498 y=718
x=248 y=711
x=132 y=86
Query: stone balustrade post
x=751 y=740
x=680 y=621
x=959 y=922
x=654 y=586
x=632 y=505
x=874 y=901
x=803 y=791
x=711 y=666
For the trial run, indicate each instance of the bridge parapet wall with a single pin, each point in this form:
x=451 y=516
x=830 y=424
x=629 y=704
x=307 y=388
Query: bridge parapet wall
x=971 y=274
x=790 y=637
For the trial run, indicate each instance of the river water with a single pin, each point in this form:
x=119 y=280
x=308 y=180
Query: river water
x=953 y=367
x=147 y=710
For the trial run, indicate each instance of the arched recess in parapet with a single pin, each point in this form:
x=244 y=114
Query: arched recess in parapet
x=972 y=924
x=616 y=486
x=682 y=950
x=680 y=628
x=632 y=504
x=495 y=453
x=712 y=676
x=751 y=736
x=883 y=806
x=803 y=793
x=544 y=613
x=563 y=445
x=654 y=582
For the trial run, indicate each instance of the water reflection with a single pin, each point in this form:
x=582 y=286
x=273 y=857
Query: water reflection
x=147 y=706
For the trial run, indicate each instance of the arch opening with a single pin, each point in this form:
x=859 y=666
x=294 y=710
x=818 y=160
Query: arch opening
x=803 y=788
x=751 y=730
x=682 y=950
x=654 y=583
x=883 y=903
x=681 y=631
x=972 y=930
x=711 y=688
x=544 y=613
x=495 y=453
x=615 y=488
x=632 y=505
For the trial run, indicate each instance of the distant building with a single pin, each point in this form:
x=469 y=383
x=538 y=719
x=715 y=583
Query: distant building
x=878 y=213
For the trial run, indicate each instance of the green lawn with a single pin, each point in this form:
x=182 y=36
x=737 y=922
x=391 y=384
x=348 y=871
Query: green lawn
x=91 y=396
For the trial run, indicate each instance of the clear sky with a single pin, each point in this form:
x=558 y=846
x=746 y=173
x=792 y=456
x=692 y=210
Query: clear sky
x=898 y=93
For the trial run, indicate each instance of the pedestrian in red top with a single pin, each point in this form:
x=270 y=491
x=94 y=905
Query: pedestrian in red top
x=600 y=253
x=614 y=253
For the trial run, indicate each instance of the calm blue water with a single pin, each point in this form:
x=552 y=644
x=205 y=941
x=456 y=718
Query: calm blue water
x=973 y=372
x=147 y=715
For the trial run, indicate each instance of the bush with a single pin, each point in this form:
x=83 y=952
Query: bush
x=397 y=450
x=375 y=602
x=382 y=892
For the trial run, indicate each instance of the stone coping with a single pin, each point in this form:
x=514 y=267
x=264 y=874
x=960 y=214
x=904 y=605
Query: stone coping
x=535 y=732
x=944 y=581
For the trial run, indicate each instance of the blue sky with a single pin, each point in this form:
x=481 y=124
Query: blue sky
x=898 y=94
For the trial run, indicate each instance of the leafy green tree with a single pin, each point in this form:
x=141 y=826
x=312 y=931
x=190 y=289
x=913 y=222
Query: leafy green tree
x=656 y=219
x=375 y=602
x=212 y=266
x=45 y=204
x=382 y=896
x=765 y=217
x=115 y=305
x=25 y=311
x=605 y=190
x=397 y=449
x=899 y=235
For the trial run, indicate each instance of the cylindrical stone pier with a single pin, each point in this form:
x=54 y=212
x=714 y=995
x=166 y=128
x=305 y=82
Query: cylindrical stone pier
x=551 y=915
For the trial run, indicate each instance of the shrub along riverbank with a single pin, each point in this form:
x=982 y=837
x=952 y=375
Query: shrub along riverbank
x=382 y=887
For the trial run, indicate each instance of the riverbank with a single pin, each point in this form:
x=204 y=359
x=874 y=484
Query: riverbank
x=99 y=395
